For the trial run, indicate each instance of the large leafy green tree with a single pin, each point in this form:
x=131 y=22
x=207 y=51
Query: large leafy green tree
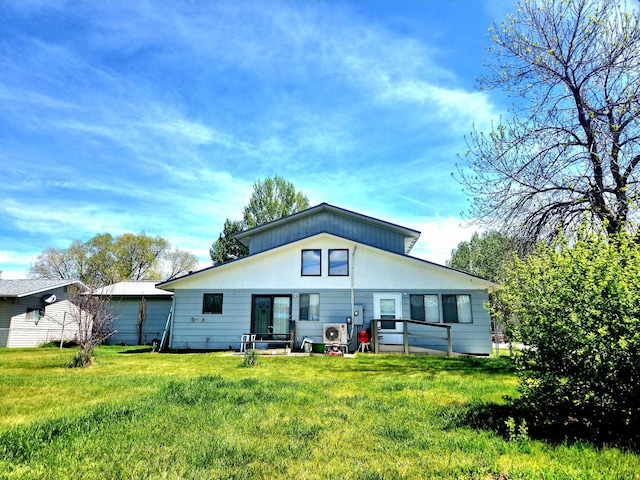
x=570 y=145
x=226 y=247
x=576 y=309
x=485 y=255
x=178 y=262
x=488 y=255
x=105 y=259
x=272 y=198
x=137 y=257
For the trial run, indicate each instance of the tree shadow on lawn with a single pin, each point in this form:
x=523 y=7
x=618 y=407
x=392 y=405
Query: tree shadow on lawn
x=142 y=349
x=413 y=364
x=514 y=422
x=56 y=344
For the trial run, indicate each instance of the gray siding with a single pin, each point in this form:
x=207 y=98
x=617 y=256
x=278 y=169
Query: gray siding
x=28 y=333
x=6 y=312
x=335 y=307
x=126 y=324
x=328 y=222
x=472 y=337
x=193 y=330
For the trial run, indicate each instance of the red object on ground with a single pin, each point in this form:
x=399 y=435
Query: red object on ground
x=363 y=336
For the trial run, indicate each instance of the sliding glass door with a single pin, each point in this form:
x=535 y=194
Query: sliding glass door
x=271 y=314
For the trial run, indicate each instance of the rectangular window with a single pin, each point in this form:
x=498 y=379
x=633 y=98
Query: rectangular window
x=387 y=310
x=417 y=307
x=34 y=314
x=425 y=308
x=456 y=309
x=310 y=306
x=311 y=261
x=339 y=262
x=432 y=308
x=212 y=303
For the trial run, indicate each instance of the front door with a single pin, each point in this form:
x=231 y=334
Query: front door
x=271 y=315
x=388 y=307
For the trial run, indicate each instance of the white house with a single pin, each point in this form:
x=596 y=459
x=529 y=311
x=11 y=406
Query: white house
x=33 y=312
x=323 y=267
x=133 y=300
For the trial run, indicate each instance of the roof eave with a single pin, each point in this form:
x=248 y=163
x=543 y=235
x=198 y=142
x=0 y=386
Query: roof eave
x=51 y=287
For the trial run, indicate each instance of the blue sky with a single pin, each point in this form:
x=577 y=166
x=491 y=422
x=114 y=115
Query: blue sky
x=158 y=116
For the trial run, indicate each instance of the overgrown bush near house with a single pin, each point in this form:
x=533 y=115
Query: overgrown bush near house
x=250 y=359
x=94 y=315
x=576 y=308
x=84 y=358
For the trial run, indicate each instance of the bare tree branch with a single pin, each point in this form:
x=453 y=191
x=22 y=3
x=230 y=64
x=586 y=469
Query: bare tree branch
x=571 y=146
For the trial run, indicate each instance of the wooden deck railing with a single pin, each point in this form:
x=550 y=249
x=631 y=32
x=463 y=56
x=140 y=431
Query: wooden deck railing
x=375 y=332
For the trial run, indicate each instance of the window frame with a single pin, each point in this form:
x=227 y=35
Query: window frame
x=308 y=317
x=447 y=297
x=346 y=274
x=212 y=303
x=302 y=262
x=34 y=314
x=418 y=301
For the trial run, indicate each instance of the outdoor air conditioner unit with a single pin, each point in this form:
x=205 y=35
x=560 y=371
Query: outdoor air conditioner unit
x=336 y=333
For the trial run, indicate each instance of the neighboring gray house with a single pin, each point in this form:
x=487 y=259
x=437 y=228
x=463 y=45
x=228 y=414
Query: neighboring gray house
x=130 y=299
x=33 y=312
x=314 y=270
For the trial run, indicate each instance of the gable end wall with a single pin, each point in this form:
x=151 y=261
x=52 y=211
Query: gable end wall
x=27 y=333
x=328 y=222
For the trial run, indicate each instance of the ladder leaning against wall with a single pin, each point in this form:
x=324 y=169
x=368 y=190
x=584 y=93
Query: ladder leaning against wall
x=165 y=334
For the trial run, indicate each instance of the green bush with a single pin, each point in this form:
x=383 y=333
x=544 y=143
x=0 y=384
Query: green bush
x=576 y=309
x=84 y=358
x=250 y=359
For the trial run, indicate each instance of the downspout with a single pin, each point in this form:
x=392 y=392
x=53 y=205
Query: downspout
x=353 y=300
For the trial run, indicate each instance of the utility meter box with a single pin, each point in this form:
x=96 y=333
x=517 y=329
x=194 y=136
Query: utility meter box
x=358 y=315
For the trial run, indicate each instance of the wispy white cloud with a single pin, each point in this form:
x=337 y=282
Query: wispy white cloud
x=439 y=237
x=158 y=116
x=23 y=96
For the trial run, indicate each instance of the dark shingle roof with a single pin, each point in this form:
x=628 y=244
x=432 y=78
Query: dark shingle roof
x=23 y=288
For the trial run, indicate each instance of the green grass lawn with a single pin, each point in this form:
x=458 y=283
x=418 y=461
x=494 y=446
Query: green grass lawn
x=147 y=415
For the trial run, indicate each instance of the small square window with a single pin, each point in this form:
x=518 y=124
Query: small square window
x=311 y=262
x=339 y=262
x=34 y=314
x=212 y=303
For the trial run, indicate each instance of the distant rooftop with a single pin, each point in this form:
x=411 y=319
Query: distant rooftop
x=23 y=288
x=146 y=288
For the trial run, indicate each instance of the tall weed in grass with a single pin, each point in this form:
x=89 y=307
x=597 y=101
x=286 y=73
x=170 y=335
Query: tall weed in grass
x=250 y=359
